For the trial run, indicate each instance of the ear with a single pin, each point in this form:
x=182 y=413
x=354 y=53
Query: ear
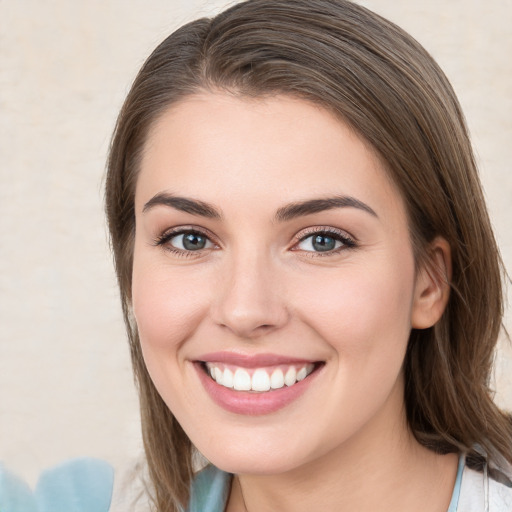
x=432 y=287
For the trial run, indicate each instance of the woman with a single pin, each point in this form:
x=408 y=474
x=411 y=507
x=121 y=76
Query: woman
x=309 y=278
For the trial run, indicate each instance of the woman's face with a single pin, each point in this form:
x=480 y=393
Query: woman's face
x=272 y=251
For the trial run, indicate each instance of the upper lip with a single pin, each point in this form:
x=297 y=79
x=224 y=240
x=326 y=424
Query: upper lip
x=251 y=360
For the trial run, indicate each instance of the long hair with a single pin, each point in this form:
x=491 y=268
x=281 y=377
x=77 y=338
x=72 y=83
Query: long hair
x=380 y=81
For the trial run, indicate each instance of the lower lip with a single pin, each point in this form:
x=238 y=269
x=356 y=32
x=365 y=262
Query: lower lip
x=251 y=403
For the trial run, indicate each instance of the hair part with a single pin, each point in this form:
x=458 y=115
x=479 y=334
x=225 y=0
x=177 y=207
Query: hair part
x=381 y=82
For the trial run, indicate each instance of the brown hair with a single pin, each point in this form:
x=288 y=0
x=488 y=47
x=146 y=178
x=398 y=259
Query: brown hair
x=385 y=85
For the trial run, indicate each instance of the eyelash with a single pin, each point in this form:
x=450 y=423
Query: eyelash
x=164 y=239
x=340 y=236
x=346 y=240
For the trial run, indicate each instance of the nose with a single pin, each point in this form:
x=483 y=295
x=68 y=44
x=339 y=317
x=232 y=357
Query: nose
x=249 y=301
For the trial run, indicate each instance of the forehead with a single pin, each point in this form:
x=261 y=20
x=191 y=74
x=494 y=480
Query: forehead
x=223 y=148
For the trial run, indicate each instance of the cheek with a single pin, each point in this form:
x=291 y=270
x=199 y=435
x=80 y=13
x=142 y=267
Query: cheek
x=363 y=310
x=167 y=305
x=167 y=310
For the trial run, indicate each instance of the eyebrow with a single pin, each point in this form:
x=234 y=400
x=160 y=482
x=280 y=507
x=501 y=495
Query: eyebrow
x=283 y=214
x=192 y=206
x=299 y=209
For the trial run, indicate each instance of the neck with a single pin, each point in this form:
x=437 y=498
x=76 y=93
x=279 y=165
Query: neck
x=382 y=468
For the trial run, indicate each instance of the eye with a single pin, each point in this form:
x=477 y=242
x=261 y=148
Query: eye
x=184 y=241
x=324 y=241
x=190 y=241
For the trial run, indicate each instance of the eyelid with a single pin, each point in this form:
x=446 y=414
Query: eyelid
x=168 y=234
x=348 y=240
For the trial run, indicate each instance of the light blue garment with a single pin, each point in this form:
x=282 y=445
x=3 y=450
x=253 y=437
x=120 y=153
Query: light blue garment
x=78 y=485
x=210 y=490
x=454 y=503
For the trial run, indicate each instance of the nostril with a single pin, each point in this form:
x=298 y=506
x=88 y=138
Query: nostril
x=247 y=330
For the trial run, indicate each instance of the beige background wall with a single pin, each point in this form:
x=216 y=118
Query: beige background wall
x=65 y=66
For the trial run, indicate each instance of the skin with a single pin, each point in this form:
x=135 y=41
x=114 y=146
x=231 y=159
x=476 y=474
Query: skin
x=259 y=286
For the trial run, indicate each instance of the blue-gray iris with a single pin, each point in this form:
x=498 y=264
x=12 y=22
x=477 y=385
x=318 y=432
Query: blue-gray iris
x=193 y=241
x=323 y=243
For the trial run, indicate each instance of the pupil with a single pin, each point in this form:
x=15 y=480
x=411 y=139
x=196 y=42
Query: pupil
x=194 y=242
x=323 y=243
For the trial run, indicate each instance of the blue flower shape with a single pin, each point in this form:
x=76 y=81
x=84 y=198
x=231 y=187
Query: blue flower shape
x=78 y=485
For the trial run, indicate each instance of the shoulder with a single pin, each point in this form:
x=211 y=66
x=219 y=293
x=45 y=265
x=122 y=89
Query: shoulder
x=489 y=490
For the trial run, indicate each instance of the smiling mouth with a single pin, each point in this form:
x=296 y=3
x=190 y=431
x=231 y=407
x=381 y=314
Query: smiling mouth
x=258 y=380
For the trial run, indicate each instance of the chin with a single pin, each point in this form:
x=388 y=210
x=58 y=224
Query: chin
x=252 y=463
x=256 y=457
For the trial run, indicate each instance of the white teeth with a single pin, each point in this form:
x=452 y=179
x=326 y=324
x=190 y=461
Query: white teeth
x=260 y=381
x=227 y=378
x=291 y=376
x=241 y=380
x=277 y=379
x=218 y=376
x=302 y=374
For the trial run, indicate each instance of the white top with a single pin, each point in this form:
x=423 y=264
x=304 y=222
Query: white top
x=481 y=493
